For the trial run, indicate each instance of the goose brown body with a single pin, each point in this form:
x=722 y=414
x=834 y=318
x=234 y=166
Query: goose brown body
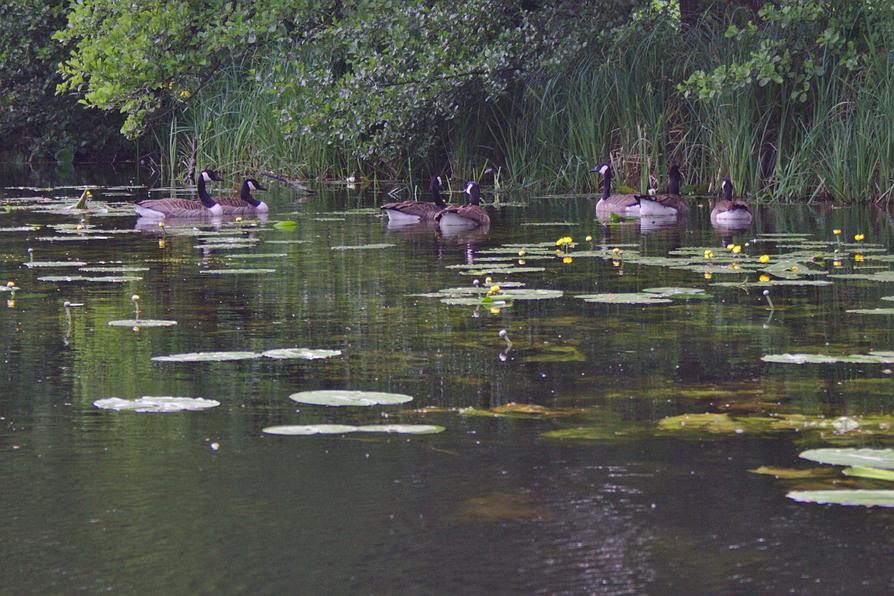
x=173 y=207
x=471 y=215
x=409 y=212
x=729 y=212
x=244 y=203
x=667 y=204
x=627 y=205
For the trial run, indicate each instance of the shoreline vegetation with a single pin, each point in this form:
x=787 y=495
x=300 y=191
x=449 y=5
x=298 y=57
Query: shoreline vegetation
x=792 y=100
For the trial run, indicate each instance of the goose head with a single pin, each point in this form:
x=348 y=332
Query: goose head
x=602 y=169
x=253 y=184
x=434 y=188
x=727 y=188
x=474 y=192
x=210 y=176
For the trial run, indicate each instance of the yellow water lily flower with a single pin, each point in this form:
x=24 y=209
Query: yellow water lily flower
x=764 y=258
x=858 y=258
x=495 y=310
x=764 y=278
x=185 y=94
x=588 y=238
x=730 y=246
x=709 y=254
x=736 y=249
x=836 y=263
x=858 y=237
x=488 y=280
x=567 y=260
x=616 y=263
x=521 y=252
x=10 y=284
x=708 y=275
x=493 y=290
x=135 y=297
x=521 y=261
x=837 y=232
x=162 y=243
x=794 y=268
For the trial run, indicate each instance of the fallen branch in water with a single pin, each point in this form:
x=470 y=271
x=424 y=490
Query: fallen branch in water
x=287 y=181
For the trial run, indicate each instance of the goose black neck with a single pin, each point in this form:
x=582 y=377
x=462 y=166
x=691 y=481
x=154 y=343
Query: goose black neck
x=606 y=184
x=434 y=188
x=245 y=195
x=475 y=195
x=673 y=185
x=206 y=199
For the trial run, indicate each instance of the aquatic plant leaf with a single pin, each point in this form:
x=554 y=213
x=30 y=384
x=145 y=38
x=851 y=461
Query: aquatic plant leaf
x=365 y=246
x=285 y=225
x=156 y=404
x=113 y=269
x=287 y=241
x=859 y=458
x=860 y=498
x=80 y=278
x=237 y=271
x=524 y=411
x=207 y=357
x=673 y=291
x=502 y=271
x=581 y=433
x=257 y=255
x=72 y=238
x=403 y=429
x=555 y=354
x=625 y=298
x=41 y=264
x=142 y=323
x=871 y=473
x=872 y=311
x=871 y=358
x=532 y=294
x=794 y=473
x=300 y=353
x=309 y=429
x=349 y=398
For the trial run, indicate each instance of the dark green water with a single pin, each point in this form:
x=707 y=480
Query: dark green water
x=99 y=500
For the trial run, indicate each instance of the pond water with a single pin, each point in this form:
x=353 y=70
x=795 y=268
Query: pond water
x=630 y=501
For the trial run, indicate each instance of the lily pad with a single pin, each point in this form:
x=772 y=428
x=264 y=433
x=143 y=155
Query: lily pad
x=872 y=311
x=309 y=429
x=207 y=357
x=41 y=264
x=871 y=358
x=349 y=398
x=142 y=323
x=625 y=298
x=156 y=404
x=580 y=433
x=258 y=255
x=794 y=473
x=365 y=246
x=673 y=291
x=403 y=429
x=300 y=354
x=532 y=294
x=237 y=271
x=861 y=498
x=523 y=411
x=870 y=458
x=122 y=269
x=871 y=473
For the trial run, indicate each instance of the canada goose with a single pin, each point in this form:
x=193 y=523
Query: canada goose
x=729 y=212
x=664 y=204
x=626 y=205
x=412 y=212
x=469 y=216
x=205 y=206
x=244 y=204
